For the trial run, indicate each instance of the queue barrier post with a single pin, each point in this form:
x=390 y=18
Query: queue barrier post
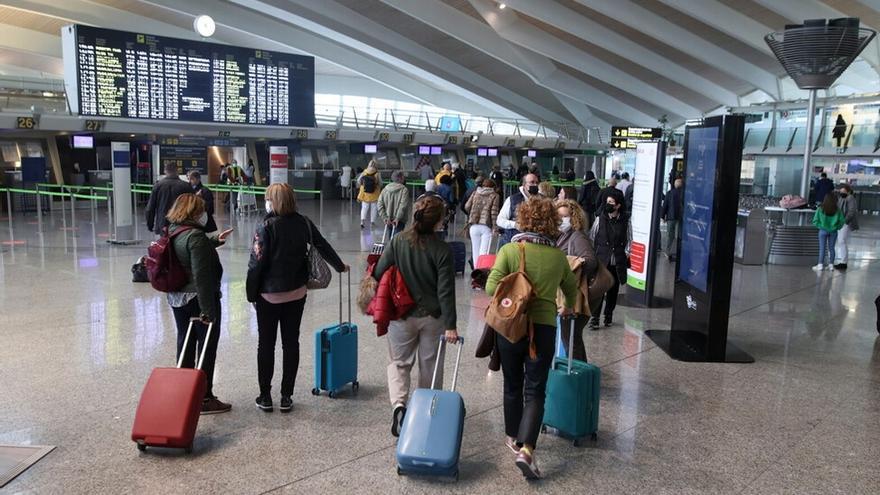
x=39 y=210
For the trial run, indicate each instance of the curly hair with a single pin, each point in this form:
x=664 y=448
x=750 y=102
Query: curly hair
x=578 y=217
x=538 y=215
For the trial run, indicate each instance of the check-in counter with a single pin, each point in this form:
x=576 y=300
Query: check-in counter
x=305 y=180
x=330 y=188
x=102 y=178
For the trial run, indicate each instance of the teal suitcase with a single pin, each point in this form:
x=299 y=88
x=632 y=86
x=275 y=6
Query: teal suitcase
x=572 y=403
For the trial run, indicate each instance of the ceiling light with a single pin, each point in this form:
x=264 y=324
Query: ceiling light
x=502 y=6
x=204 y=25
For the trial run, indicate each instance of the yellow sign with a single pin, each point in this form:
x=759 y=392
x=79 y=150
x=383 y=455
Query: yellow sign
x=25 y=123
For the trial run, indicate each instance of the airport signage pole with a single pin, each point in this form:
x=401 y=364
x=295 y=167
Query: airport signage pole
x=277 y=164
x=645 y=222
x=704 y=272
x=120 y=158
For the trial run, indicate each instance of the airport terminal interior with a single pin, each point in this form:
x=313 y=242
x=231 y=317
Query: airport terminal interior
x=739 y=139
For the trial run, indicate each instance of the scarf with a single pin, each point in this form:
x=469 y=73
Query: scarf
x=533 y=238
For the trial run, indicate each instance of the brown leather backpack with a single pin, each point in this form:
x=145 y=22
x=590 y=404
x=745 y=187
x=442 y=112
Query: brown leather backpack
x=507 y=312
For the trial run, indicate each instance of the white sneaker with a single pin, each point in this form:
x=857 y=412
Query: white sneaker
x=830 y=268
x=818 y=268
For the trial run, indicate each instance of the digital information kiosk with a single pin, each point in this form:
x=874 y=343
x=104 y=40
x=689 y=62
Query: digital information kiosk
x=701 y=304
x=645 y=221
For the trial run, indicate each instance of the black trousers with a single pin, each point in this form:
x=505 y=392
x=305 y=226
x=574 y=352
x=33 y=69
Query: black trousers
x=580 y=351
x=610 y=299
x=525 y=382
x=269 y=317
x=182 y=316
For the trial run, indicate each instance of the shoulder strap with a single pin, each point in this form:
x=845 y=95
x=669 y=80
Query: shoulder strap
x=180 y=230
x=522 y=257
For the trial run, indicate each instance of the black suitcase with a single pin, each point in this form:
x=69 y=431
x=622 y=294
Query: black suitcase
x=459 y=255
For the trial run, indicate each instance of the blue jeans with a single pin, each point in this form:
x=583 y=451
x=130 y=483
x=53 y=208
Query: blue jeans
x=826 y=243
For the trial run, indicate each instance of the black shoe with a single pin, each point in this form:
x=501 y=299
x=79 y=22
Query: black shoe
x=397 y=419
x=877 y=305
x=840 y=266
x=264 y=403
x=286 y=404
x=608 y=321
x=672 y=259
x=594 y=323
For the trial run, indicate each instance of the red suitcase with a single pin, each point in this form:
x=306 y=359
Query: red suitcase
x=170 y=405
x=487 y=261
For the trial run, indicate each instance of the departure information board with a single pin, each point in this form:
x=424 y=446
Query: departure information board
x=141 y=76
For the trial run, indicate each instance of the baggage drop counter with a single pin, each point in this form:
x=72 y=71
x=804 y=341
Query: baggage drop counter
x=794 y=240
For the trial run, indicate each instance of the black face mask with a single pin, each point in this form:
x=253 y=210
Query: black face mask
x=533 y=190
x=843 y=195
x=610 y=208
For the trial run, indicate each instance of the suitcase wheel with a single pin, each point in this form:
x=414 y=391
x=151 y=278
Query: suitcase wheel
x=188 y=449
x=331 y=394
x=543 y=428
x=399 y=472
x=355 y=386
x=455 y=476
x=594 y=437
x=577 y=442
x=316 y=391
x=142 y=447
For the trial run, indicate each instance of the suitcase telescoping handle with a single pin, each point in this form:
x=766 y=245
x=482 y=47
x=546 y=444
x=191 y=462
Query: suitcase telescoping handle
x=570 y=352
x=385 y=232
x=457 y=361
x=349 y=299
x=186 y=343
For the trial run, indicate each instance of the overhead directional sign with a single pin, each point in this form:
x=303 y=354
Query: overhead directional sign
x=627 y=137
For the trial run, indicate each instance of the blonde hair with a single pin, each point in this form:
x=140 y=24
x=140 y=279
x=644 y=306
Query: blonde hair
x=546 y=189
x=282 y=198
x=578 y=217
x=187 y=207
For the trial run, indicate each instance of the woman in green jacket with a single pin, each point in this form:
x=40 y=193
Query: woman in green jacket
x=200 y=297
x=828 y=219
x=525 y=378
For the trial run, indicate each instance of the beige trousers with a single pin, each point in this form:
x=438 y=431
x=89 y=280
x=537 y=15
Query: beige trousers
x=408 y=340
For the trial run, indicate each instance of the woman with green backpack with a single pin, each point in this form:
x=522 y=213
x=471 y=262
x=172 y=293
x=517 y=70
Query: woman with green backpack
x=525 y=278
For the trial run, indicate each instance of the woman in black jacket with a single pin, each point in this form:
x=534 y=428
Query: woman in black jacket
x=588 y=196
x=276 y=283
x=611 y=235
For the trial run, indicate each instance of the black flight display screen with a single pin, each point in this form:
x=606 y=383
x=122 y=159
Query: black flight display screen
x=118 y=74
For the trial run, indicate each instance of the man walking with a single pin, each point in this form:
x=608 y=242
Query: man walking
x=671 y=212
x=162 y=197
x=395 y=203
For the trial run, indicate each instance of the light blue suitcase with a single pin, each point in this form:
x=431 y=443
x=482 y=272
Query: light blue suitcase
x=336 y=352
x=430 y=440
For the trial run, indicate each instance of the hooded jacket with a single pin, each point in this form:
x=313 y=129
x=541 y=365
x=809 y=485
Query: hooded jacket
x=483 y=206
x=395 y=203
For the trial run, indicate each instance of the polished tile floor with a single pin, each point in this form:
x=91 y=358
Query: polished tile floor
x=79 y=340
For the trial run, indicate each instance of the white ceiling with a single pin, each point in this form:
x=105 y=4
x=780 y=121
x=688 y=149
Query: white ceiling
x=585 y=62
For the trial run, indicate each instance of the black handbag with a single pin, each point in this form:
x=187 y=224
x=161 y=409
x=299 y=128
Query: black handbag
x=139 y=272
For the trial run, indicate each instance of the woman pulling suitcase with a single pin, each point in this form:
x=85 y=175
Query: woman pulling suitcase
x=426 y=264
x=276 y=283
x=525 y=373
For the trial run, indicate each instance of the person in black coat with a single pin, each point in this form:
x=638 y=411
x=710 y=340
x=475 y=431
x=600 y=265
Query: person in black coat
x=199 y=189
x=671 y=213
x=588 y=196
x=277 y=274
x=611 y=235
x=162 y=198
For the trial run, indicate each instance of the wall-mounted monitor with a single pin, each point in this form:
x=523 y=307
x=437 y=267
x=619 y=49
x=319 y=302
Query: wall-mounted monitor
x=493 y=151
x=436 y=150
x=83 y=142
x=424 y=150
x=371 y=148
x=450 y=124
x=482 y=152
x=532 y=153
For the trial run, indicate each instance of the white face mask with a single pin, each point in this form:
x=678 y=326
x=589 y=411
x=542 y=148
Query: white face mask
x=566 y=224
x=203 y=220
x=268 y=206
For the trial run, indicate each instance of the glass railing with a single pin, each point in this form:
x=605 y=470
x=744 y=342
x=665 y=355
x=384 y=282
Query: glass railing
x=782 y=136
x=757 y=137
x=865 y=135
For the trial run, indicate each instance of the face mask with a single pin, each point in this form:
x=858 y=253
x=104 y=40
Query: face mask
x=203 y=220
x=533 y=190
x=566 y=224
x=194 y=186
x=610 y=208
x=843 y=195
x=268 y=206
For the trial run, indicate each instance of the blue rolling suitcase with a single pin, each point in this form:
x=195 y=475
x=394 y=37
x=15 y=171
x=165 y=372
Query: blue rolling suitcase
x=336 y=352
x=430 y=440
x=572 y=403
